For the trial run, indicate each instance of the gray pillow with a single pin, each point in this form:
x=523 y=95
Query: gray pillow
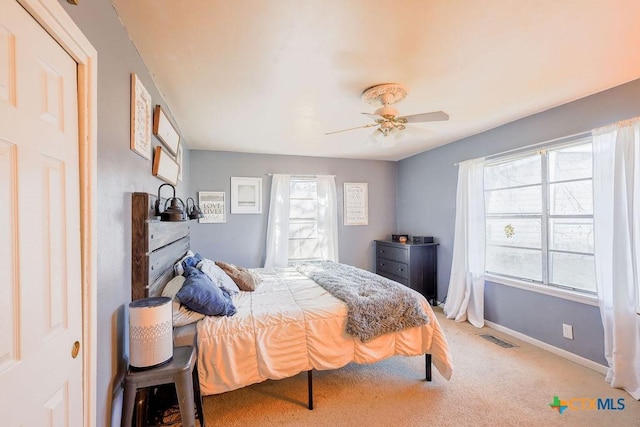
x=218 y=276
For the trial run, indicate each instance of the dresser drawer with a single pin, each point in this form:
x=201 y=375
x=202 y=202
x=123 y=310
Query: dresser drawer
x=392 y=267
x=400 y=280
x=393 y=254
x=411 y=264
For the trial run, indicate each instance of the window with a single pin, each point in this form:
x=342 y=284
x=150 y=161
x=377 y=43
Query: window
x=539 y=217
x=303 y=220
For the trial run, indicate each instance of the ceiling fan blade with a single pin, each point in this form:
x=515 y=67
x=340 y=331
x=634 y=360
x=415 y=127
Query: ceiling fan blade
x=426 y=117
x=359 y=127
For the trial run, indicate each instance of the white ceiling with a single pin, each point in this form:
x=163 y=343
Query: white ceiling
x=273 y=76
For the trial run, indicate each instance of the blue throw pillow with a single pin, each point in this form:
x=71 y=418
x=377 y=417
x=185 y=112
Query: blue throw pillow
x=200 y=294
x=191 y=261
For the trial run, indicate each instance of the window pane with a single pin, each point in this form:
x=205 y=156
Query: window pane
x=303 y=230
x=525 y=171
x=303 y=209
x=303 y=216
x=517 y=201
x=571 y=163
x=571 y=198
x=304 y=249
x=522 y=263
x=571 y=234
x=514 y=232
x=305 y=189
x=515 y=219
x=575 y=271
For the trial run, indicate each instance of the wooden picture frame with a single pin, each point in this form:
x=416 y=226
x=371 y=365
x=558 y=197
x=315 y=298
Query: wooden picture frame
x=212 y=204
x=246 y=195
x=164 y=131
x=140 y=138
x=164 y=167
x=356 y=203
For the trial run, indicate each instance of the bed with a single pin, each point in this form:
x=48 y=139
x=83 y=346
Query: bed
x=291 y=323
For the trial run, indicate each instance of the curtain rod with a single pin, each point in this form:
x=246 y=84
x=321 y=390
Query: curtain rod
x=300 y=175
x=528 y=147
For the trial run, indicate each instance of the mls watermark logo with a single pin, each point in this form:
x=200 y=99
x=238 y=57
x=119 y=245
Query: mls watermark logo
x=587 y=404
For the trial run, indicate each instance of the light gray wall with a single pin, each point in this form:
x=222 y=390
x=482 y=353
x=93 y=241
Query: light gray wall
x=427 y=200
x=120 y=173
x=241 y=240
x=425 y=204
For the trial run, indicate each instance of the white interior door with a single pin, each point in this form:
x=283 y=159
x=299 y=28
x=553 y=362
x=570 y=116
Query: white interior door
x=41 y=365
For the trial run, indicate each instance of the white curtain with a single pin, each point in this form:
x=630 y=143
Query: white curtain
x=616 y=196
x=327 y=217
x=277 y=251
x=465 y=298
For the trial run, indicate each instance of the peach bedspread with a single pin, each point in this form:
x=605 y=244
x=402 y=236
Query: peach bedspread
x=290 y=324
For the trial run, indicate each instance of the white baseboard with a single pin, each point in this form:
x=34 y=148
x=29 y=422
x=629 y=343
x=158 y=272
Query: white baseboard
x=555 y=350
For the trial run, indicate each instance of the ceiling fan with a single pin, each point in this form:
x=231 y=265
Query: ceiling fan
x=386 y=118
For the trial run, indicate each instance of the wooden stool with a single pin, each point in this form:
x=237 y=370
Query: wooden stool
x=182 y=371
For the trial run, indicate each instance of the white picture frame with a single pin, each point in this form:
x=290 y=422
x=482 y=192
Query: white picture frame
x=356 y=203
x=164 y=131
x=164 y=167
x=212 y=204
x=246 y=195
x=179 y=161
x=141 y=115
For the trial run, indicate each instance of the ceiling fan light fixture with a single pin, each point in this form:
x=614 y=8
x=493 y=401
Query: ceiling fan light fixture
x=386 y=111
x=384 y=138
x=385 y=94
x=387 y=118
x=388 y=125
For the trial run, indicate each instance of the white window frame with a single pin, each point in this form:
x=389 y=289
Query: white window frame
x=294 y=220
x=544 y=287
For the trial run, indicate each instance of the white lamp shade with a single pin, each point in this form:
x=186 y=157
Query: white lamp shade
x=150 y=332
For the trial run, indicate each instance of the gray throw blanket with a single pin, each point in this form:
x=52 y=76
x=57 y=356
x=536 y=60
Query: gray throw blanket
x=376 y=305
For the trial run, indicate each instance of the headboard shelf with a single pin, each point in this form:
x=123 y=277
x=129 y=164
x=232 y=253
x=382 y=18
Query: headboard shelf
x=155 y=247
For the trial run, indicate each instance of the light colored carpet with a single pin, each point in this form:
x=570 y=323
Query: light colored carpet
x=491 y=386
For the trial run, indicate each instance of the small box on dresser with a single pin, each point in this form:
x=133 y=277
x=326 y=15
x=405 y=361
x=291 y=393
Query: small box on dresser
x=411 y=264
x=422 y=239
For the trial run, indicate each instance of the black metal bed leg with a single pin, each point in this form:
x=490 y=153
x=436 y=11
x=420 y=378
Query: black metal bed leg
x=310 y=388
x=427 y=360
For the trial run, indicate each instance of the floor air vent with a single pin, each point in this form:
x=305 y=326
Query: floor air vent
x=497 y=341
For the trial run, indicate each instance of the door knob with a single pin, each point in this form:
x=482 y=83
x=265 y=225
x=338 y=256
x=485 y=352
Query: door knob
x=75 y=349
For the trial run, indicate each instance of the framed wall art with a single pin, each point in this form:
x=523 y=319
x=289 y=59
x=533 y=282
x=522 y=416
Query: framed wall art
x=179 y=160
x=164 y=167
x=356 y=203
x=164 y=130
x=246 y=195
x=212 y=205
x=140 y=118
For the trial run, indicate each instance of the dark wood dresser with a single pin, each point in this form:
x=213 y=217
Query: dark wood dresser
x=412 y=264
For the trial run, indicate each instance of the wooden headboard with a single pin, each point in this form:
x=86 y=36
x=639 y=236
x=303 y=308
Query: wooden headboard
x=155 y=247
